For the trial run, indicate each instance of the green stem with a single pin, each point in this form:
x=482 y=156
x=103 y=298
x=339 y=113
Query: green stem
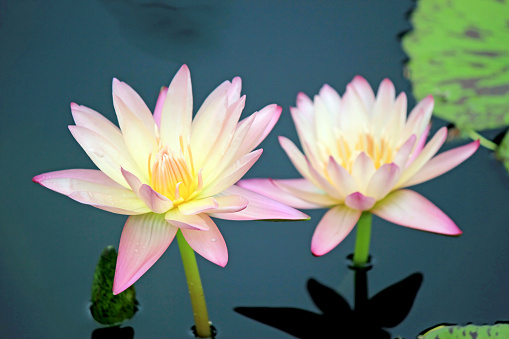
x=201 y=317
x=484 y=142
x=361 y=252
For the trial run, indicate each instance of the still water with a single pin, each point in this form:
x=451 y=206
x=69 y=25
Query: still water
x=59 y=52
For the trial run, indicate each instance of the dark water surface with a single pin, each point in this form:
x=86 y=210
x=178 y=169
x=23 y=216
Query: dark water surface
x=57 y=52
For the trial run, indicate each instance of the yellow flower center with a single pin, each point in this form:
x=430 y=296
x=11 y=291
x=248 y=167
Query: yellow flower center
x=379 y=149
x=172 y=173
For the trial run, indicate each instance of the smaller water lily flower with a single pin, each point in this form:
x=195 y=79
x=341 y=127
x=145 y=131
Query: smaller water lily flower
x=360 y=154
x=169 y=172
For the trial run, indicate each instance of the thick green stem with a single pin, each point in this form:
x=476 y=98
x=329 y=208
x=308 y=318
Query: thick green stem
x=201 y=317
x=361 y=252
x=483 y=141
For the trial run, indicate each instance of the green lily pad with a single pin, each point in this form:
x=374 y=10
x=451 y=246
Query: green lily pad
x=500 y=331
x=459 y=53
x=106 y=308
x=502 y=151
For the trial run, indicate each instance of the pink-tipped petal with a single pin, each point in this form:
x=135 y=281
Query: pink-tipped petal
x=229 y=204
x=384 y=102
x=143 y=241
x=209 y=244
x=198 y=222
x=427 y=153
x=335 y=225
x=197 y=206
x=88 y=118
x=443 y=163
x=159 y=105
x=93 y=187
x=360 y=202
x=364 y=91
x=259 y=208
x=383 y=181
x=177 y=109
x=135 y=103
x=410 y=209
x=106 y=156
x=292 y=192
x=72 y=180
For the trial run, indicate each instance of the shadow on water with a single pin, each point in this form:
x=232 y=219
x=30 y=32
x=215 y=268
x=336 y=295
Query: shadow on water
x=113 y=332
x=173 y=30
x=367 y=319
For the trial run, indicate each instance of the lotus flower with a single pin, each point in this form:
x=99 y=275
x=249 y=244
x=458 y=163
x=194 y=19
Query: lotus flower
x=169 y=172
x=360 y=154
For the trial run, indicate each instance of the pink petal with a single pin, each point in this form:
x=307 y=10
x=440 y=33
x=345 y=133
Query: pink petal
x=362 y=170
x=143 y=241
x=383 y=181
x=159 y=105
x=360 y=202
x=72 y=180
x=88 y=118
x=209 y=244
x=324 y=183
x=93 y=187
x=298 y=193
x=384 y=102
x=140 y=141
x=306 y=191
x=304 y=104
x=443 y=163
x=199 y=222
x=231 y=175
x=335 y=225
x=410 y=209
x=135 y=103
x=427 y=153
x=197 y=206
x=259 y=208
x=364 y=90
x=419 y=117
x=342 y=180
x=106 y=156
x=229 y=204
x=332 y=100
x=264 y=121
x=157 y=202
x=298 y=159
x=177 y=109
x=234 y=90
x=401 y=158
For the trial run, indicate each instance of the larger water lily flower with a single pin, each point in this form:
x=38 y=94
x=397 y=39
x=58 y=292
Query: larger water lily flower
x=360 y=153
x=170 y=172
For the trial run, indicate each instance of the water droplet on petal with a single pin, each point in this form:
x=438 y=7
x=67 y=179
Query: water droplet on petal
x=99 y=153
x=213 y=240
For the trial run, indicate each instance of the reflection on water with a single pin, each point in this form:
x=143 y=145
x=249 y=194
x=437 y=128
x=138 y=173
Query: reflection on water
x=175 y=30
x=367 y=319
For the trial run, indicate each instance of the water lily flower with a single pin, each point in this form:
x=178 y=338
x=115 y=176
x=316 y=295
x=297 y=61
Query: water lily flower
x=169 y=172
x=360 y=154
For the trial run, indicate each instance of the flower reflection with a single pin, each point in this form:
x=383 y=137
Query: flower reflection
x=360 y=152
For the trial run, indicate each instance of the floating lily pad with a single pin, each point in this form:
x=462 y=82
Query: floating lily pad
x=109 y=309
x=459 y=53
x=500 y=330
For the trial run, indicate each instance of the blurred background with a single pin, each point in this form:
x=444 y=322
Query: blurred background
x=57 y=52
